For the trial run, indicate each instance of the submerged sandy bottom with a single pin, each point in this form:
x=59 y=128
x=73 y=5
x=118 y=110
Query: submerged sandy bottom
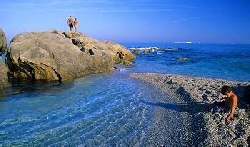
x=199 y=126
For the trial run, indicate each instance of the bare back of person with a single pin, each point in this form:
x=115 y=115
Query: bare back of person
x=229 y=102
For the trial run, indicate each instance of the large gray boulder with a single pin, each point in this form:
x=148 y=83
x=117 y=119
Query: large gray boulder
x=56 y=56
x=3 y=42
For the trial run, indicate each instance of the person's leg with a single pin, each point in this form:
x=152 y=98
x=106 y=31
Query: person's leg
x=71 y=26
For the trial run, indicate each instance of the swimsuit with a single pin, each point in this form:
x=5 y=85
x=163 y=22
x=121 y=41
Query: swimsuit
x=71 y=25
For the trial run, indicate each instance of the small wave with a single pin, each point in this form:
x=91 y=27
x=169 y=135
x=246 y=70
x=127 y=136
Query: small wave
x=172 y=49
x=159 y=52
x=122 y=69
x=144 y=48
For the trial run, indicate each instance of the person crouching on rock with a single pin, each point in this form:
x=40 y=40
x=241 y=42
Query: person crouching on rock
x=70 y=23
x=229 y=103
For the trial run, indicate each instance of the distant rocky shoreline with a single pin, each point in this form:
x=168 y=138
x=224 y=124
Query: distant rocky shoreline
x=193 y=95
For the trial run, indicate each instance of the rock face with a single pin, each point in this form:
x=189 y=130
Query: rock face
x=3 y=42
x=86 y=43
x=3 y=78
x=3 y=72
x=56 y=56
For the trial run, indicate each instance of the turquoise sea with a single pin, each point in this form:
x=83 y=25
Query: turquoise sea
x=108 y=109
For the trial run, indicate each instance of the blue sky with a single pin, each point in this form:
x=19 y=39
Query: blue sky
x=206 y=21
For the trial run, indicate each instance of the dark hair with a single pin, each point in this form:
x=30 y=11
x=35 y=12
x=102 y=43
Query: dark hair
x=225 y=89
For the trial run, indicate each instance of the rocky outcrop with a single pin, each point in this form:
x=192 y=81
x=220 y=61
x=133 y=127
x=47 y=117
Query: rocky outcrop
x=86 y=43
x=3 y=42
x=3 y=78
x=57 y=56
x=3 y=72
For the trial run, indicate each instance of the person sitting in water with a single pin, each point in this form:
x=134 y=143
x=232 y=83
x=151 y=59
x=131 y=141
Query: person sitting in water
x=229 y=103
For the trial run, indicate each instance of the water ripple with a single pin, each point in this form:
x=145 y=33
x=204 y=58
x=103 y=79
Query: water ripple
x=88 y=113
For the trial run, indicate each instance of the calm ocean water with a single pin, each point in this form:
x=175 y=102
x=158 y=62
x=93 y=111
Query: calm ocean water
x=223 y=61
x=108 y=109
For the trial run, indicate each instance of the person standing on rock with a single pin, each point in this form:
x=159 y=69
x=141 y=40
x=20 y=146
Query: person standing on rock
x=70 y=23
x=75 y=24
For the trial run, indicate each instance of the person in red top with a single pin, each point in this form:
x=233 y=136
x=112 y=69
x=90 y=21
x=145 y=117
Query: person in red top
x=75 y=24
x=70 y=23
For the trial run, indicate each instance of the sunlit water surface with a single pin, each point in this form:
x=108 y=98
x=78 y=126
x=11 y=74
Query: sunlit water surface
x=109 y=109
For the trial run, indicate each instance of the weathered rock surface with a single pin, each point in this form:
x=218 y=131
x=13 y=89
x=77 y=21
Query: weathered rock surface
x=85 y=43
x=3 y=42
x=3 y=76
x=3 y=69
x=56 y=56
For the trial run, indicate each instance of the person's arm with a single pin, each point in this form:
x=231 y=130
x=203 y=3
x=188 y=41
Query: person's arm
x=234 y=105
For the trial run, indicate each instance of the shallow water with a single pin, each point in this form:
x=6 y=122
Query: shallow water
x=104 y=109
x=113 y=109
